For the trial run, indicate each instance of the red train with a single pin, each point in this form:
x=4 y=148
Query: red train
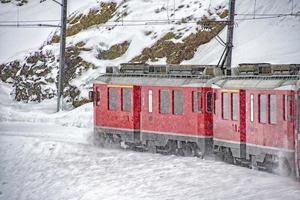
x=251 y=119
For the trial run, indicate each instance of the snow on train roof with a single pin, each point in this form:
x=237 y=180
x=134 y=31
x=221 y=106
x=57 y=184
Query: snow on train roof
x=277 y=83
x=154 y=80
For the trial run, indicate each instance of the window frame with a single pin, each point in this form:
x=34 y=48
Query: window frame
x=261 y=106
x=272 y=109
x=175 y=100
x=122 y=100
x=161 y=108
x=234 y=108
x=227 y=106
x=252 y=108
x=150 y=101
x=109 y=99
x=287 y=107
x=209 y=103
x=98 y=96
x=197 y=101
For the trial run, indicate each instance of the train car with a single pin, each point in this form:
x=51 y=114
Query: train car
x=176 y=117
x=255 y=121
x=116 y=111
x=162 y=109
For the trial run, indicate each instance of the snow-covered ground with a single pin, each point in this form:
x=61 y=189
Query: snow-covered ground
x=48 y=155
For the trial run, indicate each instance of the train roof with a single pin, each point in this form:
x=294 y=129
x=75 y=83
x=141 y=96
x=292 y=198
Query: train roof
x=250 y=76
x=154 y=80
x=257 y=82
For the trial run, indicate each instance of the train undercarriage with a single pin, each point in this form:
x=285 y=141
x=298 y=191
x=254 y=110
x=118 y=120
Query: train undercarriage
x=272 y=161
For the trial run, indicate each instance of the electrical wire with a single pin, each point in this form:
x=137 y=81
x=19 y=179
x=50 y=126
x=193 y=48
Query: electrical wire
x=29 y=21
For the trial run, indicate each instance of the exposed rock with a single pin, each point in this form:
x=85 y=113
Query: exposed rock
x=94 y=17
x=180 y=51
x=16 y=2
x=9 y=70
x=114 y=51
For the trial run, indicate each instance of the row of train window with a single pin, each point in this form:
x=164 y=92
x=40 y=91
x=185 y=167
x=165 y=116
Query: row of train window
x=164 y=101
x=178 y=102
x=125 y=98
x=263 y=107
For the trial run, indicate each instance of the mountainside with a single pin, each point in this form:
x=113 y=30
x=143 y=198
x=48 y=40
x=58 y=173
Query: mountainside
x=111 y=32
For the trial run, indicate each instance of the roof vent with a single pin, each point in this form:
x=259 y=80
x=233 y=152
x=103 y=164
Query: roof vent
x=255 y=69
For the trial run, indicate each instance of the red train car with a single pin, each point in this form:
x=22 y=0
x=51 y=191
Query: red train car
x=116 y=112
x=255 y=121
x=177 y=118
x=154 y=109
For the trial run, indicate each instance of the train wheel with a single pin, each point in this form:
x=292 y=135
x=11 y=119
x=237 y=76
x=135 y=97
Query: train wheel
x=171 y=147
x=196 y=151
x=228 y=158
x=187 y=149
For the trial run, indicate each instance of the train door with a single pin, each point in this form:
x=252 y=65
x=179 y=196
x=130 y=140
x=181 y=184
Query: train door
x=297 y=133
x=94 y=96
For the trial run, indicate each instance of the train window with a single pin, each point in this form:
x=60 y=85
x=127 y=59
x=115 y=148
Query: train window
x=225 y=107
x=150 y=101
x=272 y=111
x=178 y=102
x=252 y=108
x=287 y=107
x=215 y=98
x=98 y=97
x=112 y=98
x=197 y=101
x=164 y=104
x=235 y=106
x=262 y=109
x=126 y=99
x=209 y=96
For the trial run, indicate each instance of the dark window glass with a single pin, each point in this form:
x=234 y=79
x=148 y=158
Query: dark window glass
x=262 y=109
x=285 y=107
x=273 y=109
x=178 y=103
x=225 y=107
x=164 y=105
x=126 y=99
x=209 y=96
x=235 y=106
x=197 y=101
x=287 y=100
x=215 y=98
x=112 y=98
x=98 y=97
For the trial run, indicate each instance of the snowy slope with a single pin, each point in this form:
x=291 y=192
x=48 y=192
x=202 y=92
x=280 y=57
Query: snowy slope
x=269 y=40
x=14 y=41
x=263 y=40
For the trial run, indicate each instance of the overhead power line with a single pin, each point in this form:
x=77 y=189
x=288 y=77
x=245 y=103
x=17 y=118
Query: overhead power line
x=29 y=25
x=28 y=21
x=268 y=14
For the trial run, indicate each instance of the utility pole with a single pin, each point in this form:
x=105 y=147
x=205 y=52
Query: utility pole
x=230 y=27
x=62 y=55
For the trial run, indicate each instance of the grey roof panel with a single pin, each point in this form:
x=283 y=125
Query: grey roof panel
x=254 y=83
x=153 y=81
